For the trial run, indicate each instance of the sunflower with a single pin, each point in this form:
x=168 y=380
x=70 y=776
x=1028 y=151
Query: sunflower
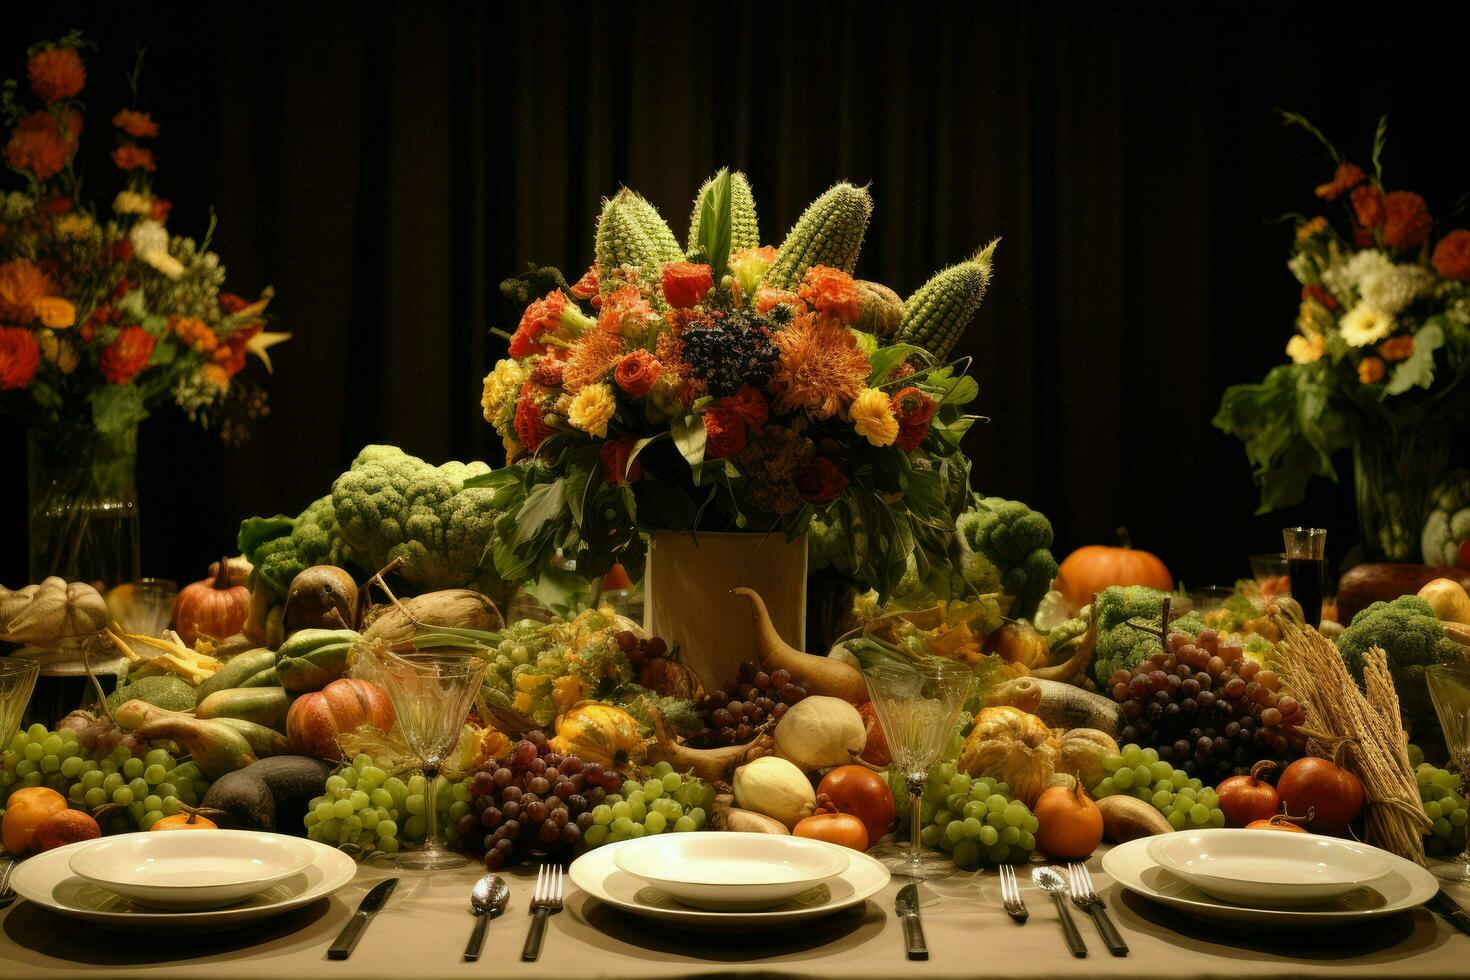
x=820 y=369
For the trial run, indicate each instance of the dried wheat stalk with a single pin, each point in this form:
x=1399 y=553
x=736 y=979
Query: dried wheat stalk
x=1361 y=731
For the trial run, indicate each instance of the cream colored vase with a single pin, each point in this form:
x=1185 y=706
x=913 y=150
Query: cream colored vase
x=687 y=598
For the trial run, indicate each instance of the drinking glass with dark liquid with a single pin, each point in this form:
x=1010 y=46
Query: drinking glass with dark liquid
x=1306 y=567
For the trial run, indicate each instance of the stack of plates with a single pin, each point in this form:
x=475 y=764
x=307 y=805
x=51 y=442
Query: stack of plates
x=182 y=879
x=728 y=881
x=1269 y=876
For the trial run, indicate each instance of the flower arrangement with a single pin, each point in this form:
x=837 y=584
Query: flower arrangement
x=731 y=385
x=1377 y=360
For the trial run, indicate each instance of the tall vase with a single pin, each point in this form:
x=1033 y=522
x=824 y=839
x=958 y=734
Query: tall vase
x=83 y=505
x=1396 y=468
x=688 y=600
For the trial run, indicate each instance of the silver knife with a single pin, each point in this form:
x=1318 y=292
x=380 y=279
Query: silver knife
x=913 y=929
x=352 y=932
x=1450 y=909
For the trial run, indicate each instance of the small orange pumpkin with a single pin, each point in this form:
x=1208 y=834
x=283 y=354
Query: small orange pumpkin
x=1095 y=567
x=1070 y=825
x=211 y=607
x=188 y=818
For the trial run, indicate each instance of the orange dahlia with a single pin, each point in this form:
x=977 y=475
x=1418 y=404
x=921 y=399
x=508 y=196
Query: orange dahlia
x=595 y=354
x=136 y=124
x=127 y=355
x=637 y=372
x=1406 y=220
x=625 y=313
x=1452 y=255
x=686 y=283
x=820 y=369
x=22 y=283
x=42 y=145
x=831 y=291
x=539 y=319
x=132 y=157
x=1348 y=176
x=56 y=73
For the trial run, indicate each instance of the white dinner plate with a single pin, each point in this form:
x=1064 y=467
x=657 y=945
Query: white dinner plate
x=1406 y=886
x=47 y=880
x=597 y=874
x=1285 y=870
x=732 y=872
x=191 y=870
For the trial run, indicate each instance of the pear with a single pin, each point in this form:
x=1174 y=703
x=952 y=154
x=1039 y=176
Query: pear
x=1448 y=599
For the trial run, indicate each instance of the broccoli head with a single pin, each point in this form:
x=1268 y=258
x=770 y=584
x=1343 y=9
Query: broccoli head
x=1017 y=541
x=1413 y=638
x=1123 y=647
x=280 y=547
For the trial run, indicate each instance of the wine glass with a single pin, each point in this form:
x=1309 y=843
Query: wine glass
x=917 y=707
x=431 y=695
x=17 y=681
x=1449 y=689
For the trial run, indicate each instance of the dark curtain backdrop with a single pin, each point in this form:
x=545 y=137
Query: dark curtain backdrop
x=384 y=165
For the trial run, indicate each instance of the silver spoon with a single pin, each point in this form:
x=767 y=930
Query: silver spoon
x=1050 y=881
x=487 y=900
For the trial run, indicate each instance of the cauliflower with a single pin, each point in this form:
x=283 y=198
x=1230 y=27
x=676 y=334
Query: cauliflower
x=1016 y=542
x=1448 y=526
x=1122 y=647
x=1413 y=639
x=280 y=547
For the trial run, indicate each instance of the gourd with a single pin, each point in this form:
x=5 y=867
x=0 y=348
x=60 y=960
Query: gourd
x=1013 y=747
x=211 y=607
x=829 y=232
x=744 y=228
x=48 y=612
x=316 y=719
x=820 y=732
x=310 y=659
x=775 y=788
x=1447 y=527
x=397 y=623
x=822 y=675
x=711 y=765
x=881 y=309
x=1020 y=643
x=600 y=733
x=1082 y=752
x=1095 y=567
x=323 y=597
x=936 y=314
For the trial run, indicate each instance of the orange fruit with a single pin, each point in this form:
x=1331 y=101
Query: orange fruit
x=185 y=821
x=65 y=827
x=24 y=811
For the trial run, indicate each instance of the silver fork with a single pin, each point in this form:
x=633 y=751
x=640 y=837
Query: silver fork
x=1010 y=895
x=545 y=902
x=1086 y=898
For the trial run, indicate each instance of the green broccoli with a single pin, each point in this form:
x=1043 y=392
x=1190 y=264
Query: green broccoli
x=1123 y=647
x=1413 y=638
x=1016 y=540
x=829 y=544
x=280 y=547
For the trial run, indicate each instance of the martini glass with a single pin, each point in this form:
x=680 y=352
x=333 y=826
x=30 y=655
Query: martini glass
x=917 y=707
x=431 y=695
x=1449 y=688
x=17 y=681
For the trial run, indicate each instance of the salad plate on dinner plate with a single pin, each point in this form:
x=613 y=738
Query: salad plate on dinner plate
x=1280 y=871
x=191 y=871
x=732 y=872
x=48 y=881
x=597 y=873
x=1405 y=886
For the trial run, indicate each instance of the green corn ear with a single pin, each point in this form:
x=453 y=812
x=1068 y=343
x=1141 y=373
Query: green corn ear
x=744 y=227
x=939 y=310
x=829 y=232
x=630 y=232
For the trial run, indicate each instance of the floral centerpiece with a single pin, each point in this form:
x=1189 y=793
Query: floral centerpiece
x=731 y=386
x=104 y=315
x=1377 y=362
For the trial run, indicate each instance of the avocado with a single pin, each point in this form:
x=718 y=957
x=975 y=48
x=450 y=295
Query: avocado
x=245 y=798
x=162 y=690
x=270 y=795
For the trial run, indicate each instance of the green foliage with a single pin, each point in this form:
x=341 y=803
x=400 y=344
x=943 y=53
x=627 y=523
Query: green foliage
x=829 y=232
x=1015 y=541
x=1408 y=632
x=744 y=226
x=937 y=313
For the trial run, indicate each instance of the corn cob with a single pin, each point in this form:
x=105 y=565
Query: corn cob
x=939 y=310
x=630 y=232
x=744 y=227
x=829 y=232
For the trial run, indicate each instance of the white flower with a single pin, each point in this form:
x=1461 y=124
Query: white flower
x=1391 y=288
x=1345 y=279
x=150 y=244
x=1304 y=267
x=131 y=202
x=1363 y=325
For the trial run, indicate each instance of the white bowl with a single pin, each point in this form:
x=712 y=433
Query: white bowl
x=1268 y=869
x=731 y=871
x=184 y=869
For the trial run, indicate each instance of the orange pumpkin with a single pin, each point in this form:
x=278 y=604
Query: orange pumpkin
x=211 y=607
x=1095 y=567
x=316 y=719
x=1070 y=825
x=843 y=829
x=186 y=819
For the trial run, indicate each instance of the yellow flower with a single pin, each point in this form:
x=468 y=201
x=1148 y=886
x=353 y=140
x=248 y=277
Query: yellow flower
x=1305 y=350
x=57 y=351
x=872 y=416
x=502 y=385
x=1363 y=326
x=591 y=410
x=131 y=202
x=55 y=312
x=1313 y=318
x=75 y=225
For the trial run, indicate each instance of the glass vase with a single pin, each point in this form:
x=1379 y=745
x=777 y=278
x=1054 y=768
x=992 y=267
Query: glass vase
x=83 y=505
x=1396 y=468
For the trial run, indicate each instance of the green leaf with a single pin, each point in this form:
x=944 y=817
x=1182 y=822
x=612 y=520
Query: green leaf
x=117 y=408
x=1380 y=137
x=563 y=593
x=689 y=437
x=885 y=359
x=714 y=225
x=962 y=391
x=543 y=505
x=1417 y=370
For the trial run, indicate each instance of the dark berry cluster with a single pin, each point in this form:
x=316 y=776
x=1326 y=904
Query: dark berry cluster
x=728 y=350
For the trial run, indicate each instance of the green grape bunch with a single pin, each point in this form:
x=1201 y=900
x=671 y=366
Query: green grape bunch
x=1184 y=800
x=975 y=820
x=1442 y=794
x=665 y=802
x=365 y=809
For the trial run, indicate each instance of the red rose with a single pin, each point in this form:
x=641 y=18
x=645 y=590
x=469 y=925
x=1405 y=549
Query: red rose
x=588 y=285
x=615 y=467
x=749 y=404
x=1406 y=220
x=127 y=354
x=1368 y=205
x=531 y=427
x=636 y=372
x=56 y=205
x=909 y=436
x=912 y=407
x=160 y=209
x=122 y=250
x=1452 y=255
x=541 y=317
x=821 y=482
x=724 y=433
x=19 y=357
x=686 y=283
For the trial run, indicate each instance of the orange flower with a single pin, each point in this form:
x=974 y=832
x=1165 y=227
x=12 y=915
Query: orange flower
x=194 y=332
x=1368 y=205
x=820 y=369
x=55 y=312
x=530 y=424
x=39 y=144
x=127 y=355
x=1406 y=220
x=831 y=291
x=135 y=124
x=56 y=73
x=21 y=285
x=592 y=357
x=1452 y=255
x=686 y=283
x=130 y=157
x=587 y=286
x=20 y=355
x=1348 y=176
x=1371 y=370
x=821 y=482
x=540 y=318
x=637 y=372
x=767 y=298
x=749 y=404
x=1396 y=348
x=724 y=433
x=160 y=209
x=624 y=312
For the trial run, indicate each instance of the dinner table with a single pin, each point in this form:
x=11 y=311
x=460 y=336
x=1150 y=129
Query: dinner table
x=422 y=930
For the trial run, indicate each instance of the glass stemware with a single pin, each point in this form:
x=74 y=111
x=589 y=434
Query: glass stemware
x=917 y=708
x=17 y=681
x=1449 y=689
x=431 y=695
